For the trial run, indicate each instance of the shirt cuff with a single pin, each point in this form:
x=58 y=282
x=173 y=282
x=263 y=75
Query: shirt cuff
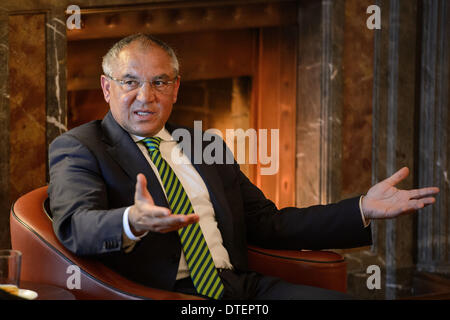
x=365 y=222
x=126 y=227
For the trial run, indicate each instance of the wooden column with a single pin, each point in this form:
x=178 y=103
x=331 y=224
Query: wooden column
x=275 y=108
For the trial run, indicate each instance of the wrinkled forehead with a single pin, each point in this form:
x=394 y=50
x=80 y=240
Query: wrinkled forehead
x=144 y=62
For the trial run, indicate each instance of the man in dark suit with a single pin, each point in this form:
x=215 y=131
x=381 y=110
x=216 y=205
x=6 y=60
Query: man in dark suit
x=116 y=193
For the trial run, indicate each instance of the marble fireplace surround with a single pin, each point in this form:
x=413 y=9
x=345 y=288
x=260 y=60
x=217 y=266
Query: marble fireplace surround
x=409 y=109
x=215 y=40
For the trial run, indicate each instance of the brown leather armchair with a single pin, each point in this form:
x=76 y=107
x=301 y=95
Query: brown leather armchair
x=45 y=260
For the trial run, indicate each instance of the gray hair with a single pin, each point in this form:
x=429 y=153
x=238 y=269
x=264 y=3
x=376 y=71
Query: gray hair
x=145 y=40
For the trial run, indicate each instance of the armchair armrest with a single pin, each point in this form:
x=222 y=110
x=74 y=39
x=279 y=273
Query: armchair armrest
x=45 y=260
x=324 y=269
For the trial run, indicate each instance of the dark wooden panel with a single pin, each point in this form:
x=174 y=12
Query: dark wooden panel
x=85 y=106
x=287 y=114
x=202 y=55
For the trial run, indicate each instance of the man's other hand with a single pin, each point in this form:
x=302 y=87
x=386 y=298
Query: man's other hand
x=384 y=200
x=144 y=215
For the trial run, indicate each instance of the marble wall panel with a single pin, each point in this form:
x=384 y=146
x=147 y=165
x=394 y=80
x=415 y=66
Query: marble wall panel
x=27 y=74
x=393 y=134
x=4 y=132
x=434 y=147
x=56 y=87
x=357 y=104
x=319 y=96
x=309 y=106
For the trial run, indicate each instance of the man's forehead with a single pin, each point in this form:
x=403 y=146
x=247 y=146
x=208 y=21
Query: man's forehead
x=138 y=59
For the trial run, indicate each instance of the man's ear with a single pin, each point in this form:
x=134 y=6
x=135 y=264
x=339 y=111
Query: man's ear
x=106 y=87
x=175 y=89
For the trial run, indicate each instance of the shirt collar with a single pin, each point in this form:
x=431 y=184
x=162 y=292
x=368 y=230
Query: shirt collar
x=163 y=134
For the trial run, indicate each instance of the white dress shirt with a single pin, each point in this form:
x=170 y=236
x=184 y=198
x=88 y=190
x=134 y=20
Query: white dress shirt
x=198 y=194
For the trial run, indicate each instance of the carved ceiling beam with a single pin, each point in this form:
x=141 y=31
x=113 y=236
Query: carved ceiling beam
x=121 y=21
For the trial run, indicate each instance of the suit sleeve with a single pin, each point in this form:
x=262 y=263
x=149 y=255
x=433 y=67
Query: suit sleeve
x=332 y=226
x=82 y=219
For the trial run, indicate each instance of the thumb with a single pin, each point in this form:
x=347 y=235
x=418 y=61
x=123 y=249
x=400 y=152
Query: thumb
x=398 y=176
x=141 y=190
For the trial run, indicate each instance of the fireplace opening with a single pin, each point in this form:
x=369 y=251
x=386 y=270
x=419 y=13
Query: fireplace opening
x=238 y=67
x=219 y=104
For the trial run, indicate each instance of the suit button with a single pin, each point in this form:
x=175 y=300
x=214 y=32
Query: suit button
x=110 y=244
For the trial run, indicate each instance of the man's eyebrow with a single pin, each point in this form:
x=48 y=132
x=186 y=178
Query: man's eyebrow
x=130 y=76
x=159 y=76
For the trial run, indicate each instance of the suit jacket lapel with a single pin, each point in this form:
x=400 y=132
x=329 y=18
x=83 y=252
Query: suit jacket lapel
x=126 y=153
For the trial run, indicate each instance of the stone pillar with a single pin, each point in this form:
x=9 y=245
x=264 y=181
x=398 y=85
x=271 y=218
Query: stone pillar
x=394 y=145
x=319 y=110
x=32 y=99
x=434 y=144
x=394 y=129
x=56 y=46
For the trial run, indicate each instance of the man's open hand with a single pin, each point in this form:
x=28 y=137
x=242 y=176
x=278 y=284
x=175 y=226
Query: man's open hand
x=144 y=215
x=384 y=200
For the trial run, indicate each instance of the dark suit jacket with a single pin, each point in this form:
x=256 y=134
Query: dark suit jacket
x=93 y=172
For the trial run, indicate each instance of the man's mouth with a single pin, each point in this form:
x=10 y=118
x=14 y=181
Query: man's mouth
x=144 y=113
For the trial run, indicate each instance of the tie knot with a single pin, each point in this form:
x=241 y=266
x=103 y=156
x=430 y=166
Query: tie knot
x=152 y=143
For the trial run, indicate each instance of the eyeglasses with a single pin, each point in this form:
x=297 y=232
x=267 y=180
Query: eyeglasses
x=130 y=84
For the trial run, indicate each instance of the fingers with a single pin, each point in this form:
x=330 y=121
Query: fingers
x=141 y=192
x=428 y=201
x=419 y=204
x=398 y=176
x=145 y=215
x=172 y=222
x=142 y=215
x=152 y=211
x=178 y=222
x=423 y=192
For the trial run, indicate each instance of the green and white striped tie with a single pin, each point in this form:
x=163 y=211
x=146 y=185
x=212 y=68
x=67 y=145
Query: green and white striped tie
x=201 y=265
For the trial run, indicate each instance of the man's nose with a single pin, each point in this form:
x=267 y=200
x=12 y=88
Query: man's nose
x=146 y=93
